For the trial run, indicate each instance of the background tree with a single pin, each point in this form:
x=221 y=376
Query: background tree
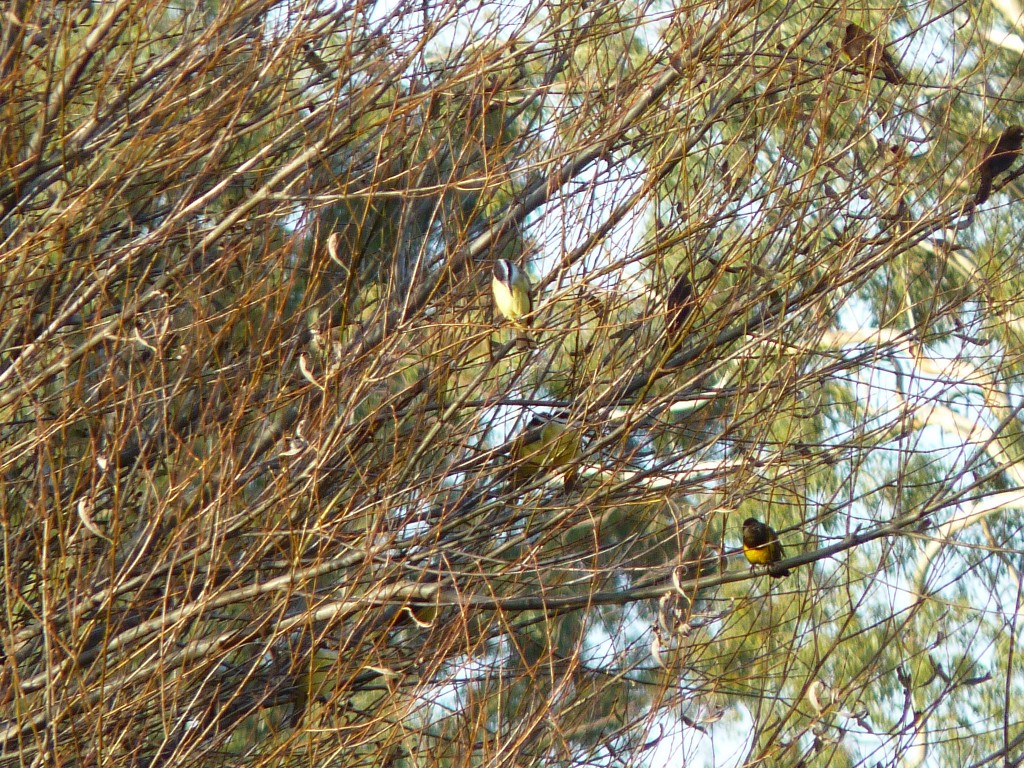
x=267 y=493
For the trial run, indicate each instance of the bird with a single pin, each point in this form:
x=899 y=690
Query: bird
x=546 y=444
x=865 y=51
x=679 y=305
x=513 y=297
x=761 y=546
x=998 y=158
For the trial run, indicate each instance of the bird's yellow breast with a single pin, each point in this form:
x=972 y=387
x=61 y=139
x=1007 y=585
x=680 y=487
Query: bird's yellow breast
x=761 y=555
x=512 y=301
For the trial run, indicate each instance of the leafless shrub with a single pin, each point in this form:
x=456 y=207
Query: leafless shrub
x=263 y=487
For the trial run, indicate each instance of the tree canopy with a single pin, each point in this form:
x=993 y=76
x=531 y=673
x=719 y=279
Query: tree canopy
x=278 y=485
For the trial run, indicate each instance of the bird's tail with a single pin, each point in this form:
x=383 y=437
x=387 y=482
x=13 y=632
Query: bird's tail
x=984 y=189
x=522 y=327
x=892 y=74
x=778 y=573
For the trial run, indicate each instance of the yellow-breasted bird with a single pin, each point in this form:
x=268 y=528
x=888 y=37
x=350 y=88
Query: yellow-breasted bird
x=546 y=444
x=513 y=296
x=761 y=546
x=865 y=51
x=999 y=156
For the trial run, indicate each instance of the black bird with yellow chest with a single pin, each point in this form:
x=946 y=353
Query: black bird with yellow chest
x=761 y=546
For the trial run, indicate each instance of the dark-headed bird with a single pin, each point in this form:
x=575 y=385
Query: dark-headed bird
x=761 y=546
x=999 y=156
x=679 y=306
x=513 y=296
x=865 y=51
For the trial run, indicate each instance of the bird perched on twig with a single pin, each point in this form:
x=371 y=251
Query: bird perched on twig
x=999 y=156
x=513 y=297
x=678 y=306
x=762 y=547
x=865 y=51
x=546 y=444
